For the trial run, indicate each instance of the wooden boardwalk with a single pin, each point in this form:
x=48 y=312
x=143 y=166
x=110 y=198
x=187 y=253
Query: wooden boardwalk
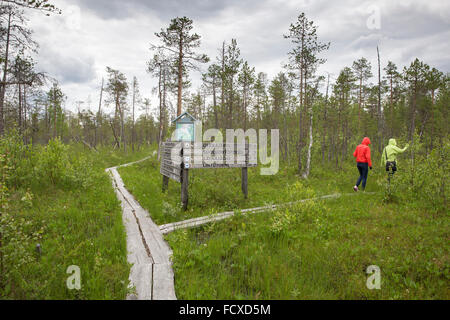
x=196 y=222
x=151 y=272
x=150 y=255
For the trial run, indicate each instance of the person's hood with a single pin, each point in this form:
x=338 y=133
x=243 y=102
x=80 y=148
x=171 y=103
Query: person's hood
x=392 y=142
x=366 y=141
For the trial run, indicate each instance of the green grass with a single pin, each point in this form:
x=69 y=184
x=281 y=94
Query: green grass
x=218 y=190
x=321 y=253
x=82 y=227
x=316 y=250
x=313 y=250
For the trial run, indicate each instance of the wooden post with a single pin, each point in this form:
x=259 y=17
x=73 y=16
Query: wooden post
x=165 y=183
x=244 y=175
x=184 y=188
x=245 y=182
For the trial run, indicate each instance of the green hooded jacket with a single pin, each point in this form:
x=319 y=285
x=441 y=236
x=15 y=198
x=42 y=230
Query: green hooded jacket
x=391 y=152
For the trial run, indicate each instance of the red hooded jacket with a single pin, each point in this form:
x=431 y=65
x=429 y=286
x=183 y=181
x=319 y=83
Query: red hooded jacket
x=362 y=152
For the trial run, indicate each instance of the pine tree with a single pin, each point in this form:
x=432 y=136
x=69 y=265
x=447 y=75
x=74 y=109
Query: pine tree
x=178 y=40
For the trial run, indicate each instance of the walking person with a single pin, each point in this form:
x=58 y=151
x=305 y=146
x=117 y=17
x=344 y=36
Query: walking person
x=363 y=163
x=389 y=156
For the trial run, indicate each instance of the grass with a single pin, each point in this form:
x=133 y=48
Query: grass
x=81 y=227
x=314 y=250
x=218 y=190
x=321 y=252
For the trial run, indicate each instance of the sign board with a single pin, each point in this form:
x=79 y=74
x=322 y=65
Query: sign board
x=185 y=128
x=180 y=156
x=170 y=167
x=219 y=155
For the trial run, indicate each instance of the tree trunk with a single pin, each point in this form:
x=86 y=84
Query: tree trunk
x=54 y=113
x=380 y=117
x=230 y=104
x=122 y=129
x=432 y=118
x=392 y=109
x=245 y=107
x=133 y=128
x=5 y=70
x=25 y=137
x=160 y=114
x=222 y=94
x=324 y=133
x=216 y=119
x=99 y=117
x=360 y=103
x=308 y=159
x=300 y=127
x=117 y=142
x=180 y=76
x=20 y=108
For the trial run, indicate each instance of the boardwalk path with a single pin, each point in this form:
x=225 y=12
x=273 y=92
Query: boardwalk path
x=151 y=272
x=149 y=253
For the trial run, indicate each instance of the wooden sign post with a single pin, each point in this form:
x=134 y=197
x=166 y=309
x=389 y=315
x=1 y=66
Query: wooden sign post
x=178 y=157
x=244 y=183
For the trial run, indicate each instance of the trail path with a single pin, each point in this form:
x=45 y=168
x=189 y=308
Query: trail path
x=151 y=272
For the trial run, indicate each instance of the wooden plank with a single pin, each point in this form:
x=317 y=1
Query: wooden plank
x=143 y=272
x=171 y=163
x=220 y=165
x=151 y=272
x=163 y=288
x=168 y=167
x=172 y=176
x=141 y=275
x=172 y=144
x=195 y=222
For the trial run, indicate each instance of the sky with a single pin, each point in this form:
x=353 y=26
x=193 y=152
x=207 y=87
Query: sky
x=78 y=45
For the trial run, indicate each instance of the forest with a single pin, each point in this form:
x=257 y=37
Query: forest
x=58 y=207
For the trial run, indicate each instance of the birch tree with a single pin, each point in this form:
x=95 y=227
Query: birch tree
x=306 y=47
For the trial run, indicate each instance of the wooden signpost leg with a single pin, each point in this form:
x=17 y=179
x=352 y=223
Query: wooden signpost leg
x=165 y=183
x=184 y=188
x=245 y=182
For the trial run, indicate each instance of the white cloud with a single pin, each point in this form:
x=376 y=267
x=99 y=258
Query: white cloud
x=76 y=48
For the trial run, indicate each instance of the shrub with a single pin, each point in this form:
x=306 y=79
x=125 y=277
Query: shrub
x=17 y=235
x=284 y=221
x=18 y=159
x=424 y=181
x=55 y=167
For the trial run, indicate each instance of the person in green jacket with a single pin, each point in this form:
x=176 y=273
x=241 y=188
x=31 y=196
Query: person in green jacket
x=389 y=156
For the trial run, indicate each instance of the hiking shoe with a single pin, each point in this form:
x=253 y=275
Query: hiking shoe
x=355 y=188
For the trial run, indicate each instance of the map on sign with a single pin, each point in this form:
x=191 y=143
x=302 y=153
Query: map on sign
x=185 y=132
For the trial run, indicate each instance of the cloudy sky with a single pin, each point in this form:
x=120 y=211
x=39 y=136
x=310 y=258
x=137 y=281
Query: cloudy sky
x=77 y=46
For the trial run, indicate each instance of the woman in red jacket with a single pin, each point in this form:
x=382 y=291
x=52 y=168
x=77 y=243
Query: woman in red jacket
x=362 y=155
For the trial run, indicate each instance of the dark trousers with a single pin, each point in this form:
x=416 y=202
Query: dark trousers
x=363 y=169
